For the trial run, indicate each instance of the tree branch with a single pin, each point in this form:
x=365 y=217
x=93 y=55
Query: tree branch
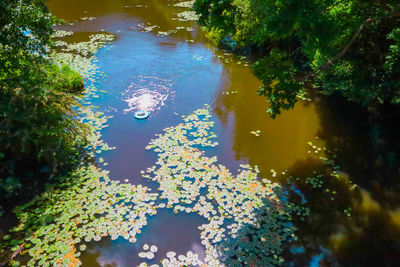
x=4 y=263
x=342 y=53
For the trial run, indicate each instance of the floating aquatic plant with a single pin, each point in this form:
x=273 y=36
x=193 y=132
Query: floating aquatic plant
x=87 y=205
x=187 y=16
x=256 y=132
x=90 y=47
x=183 y=171
x=81 y=57
x=187 y=4
x=227 y=58
x=230 y=93
x=88 y=18
x=190 y=259
x=160 y=33
x=62 y=33
x=150 y=28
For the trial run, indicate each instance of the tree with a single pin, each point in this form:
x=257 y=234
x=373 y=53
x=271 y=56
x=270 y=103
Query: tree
x=40 y=136
x=346 y=47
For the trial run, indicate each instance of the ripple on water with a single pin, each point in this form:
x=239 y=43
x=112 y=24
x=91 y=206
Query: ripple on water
x=147 y=93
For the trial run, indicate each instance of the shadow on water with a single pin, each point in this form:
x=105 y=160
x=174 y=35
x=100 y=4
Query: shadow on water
x=348 y=226
x=259 y=244
x=368 y=147
x=358 y=227
x=368 y=151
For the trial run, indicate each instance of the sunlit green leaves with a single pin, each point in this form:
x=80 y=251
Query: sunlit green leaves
x=350 y=47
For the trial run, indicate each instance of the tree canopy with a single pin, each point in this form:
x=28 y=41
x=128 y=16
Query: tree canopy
x=345 y=47
x=39 y=133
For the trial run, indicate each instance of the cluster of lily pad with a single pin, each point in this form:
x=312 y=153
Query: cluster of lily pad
x=191 y=182
x=187 y=4
x=54 y=227
x=227 y=58
x=190 y=259
x=148 y=252
x=328 y=158
x=81 y=57
x=88 y=18
x=321 y=181
x=166 y=33
x=256 y=133
x=187 y=16
x=62 y=33
x=149 y=28
x=230 y=93
x=86 y=206
x=90 y=47
x=315 y=181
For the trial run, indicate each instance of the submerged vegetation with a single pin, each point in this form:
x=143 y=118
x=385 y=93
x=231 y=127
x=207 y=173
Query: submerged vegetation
x=348 y=48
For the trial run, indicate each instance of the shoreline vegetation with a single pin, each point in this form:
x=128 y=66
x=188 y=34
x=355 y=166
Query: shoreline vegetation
x=49 y=130
x=47 y=120
x=341 y=48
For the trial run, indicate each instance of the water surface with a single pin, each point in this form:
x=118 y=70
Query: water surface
x=175 y=74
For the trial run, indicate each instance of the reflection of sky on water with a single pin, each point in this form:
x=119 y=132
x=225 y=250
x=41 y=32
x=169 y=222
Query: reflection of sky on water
x=147 y=93
x=169 y=232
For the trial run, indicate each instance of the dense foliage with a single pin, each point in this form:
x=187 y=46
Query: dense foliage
x=345 y=47
x=39 y=134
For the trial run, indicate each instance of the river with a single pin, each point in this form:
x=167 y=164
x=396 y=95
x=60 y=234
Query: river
x=167 y=66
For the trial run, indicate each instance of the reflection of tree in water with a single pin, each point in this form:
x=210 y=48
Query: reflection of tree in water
x=347 y=227
x=367 y=150
x=155 y=13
